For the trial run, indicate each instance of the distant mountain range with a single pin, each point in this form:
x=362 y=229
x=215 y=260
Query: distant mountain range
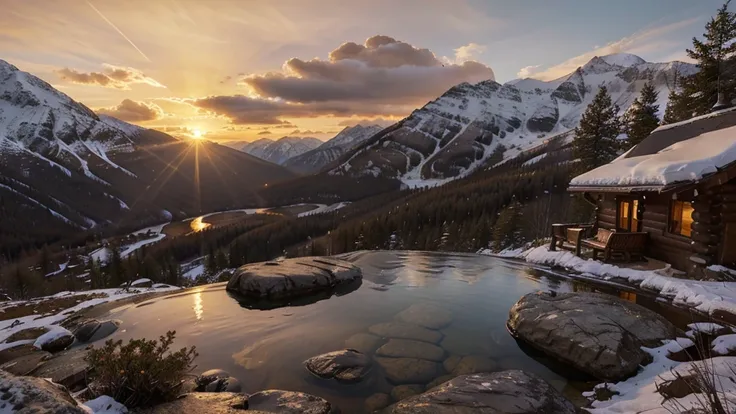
x=64 y=168
x=276 y=151
x=314 y=160
x=462 y=129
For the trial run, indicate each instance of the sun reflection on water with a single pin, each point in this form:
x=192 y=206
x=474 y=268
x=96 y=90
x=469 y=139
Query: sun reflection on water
x=198 y=306
x=198 y=225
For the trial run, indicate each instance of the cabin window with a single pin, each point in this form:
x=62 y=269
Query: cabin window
x=681 y=218
x=628 y=215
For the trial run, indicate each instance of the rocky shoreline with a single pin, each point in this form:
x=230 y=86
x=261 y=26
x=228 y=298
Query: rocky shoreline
x=603 y=336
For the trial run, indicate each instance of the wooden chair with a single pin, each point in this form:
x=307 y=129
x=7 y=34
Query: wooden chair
x=569 y=236
x=628 y=244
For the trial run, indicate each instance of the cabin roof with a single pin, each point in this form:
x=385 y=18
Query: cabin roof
x=672 y=156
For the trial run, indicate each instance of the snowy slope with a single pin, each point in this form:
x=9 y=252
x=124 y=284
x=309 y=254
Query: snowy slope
x=347 y=139
x=457 y=132
x=280 y=150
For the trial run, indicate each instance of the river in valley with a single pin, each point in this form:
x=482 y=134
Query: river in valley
x=265 y=349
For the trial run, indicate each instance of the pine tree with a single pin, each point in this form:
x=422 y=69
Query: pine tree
x=507 y=230
x=641 y=118
x=595 y=140
x=715 y=57
x=677 y=108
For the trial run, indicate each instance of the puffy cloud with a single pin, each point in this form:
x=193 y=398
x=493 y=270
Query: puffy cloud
x=133 y=111
x=383 y=70
x=111 y=77
x=468 y=52
x=245 y=110
x=527 y=71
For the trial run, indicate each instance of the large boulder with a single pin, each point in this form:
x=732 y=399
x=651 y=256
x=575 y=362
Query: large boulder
x=26 y=395
x=510 y=392
x=93 y=330
x=292 y=277
x=347 y=365
x=56 y=339
x=287 y=402
x=599 y=334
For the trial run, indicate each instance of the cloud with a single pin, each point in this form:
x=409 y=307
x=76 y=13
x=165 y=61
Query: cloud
x=468 y=52
x=645 y=41
x=133 y=111
x=265 y=132
x=527 y=71
x=117 y=77
x=365 y=122
x=383 y=72
x=226 y=79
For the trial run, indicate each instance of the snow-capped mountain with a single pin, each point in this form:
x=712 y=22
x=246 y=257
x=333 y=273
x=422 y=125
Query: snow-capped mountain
x=277 y=151
x=64 y=168
x=460 y=130
x=347 y=139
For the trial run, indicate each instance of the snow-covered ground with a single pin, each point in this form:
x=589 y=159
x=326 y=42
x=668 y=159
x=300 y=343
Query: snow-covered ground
x=704 y=296
x=638 y=394
x=50 y=320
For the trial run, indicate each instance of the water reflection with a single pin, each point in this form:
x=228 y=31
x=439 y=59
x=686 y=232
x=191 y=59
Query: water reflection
x=198 y=225
x=198 y=307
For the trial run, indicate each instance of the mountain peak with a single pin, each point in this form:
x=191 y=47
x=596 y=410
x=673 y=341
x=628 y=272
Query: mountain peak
x=625 y=60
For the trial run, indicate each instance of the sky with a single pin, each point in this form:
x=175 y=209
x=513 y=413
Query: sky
x=244 y=70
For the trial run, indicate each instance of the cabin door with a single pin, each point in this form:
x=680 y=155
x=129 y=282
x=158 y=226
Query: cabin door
x=628 y=214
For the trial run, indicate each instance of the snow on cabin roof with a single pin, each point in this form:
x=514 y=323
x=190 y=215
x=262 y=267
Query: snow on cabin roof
x=684 y=161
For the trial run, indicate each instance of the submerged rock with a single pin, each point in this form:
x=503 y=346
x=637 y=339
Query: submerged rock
x=286 y=402
x=93 y=330
x=377 y=401
x=347 y=365
x=292 y=277
x=401 y=392
x=407 y=348
x=409 y=370
x=512 y=392
x=215 y=380
x=471 y=364
x=26 y=395
x=440 y=380
x=403 y=330
x=364 y=342
x=428 y=316
x=599 y=334
x=202 y=402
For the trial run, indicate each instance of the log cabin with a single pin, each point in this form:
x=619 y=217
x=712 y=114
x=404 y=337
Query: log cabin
x=679 y=186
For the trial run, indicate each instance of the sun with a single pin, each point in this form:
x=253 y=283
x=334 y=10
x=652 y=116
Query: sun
x=196 y=134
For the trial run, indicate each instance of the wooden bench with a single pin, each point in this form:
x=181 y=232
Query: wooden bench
x=627 y=244
x=569 y=236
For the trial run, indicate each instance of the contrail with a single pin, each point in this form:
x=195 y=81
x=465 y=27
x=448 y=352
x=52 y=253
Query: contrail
x=118 y=30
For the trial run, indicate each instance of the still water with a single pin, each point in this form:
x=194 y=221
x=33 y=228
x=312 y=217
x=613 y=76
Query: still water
x=265 y=349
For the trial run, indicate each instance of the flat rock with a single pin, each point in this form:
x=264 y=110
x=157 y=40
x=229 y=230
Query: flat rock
x=364 y=342
x=409 y=370
x=201 y=402
x=401 y=392
x=403 y=330
x=428 y=316
x=28 y=395
x=407 y=348
x=286 y=402
x=292 y=277
x=66 y=368
x=27 y=334
x=376 y=402
x=510 y=392
x=25 y=364
x=599 y=334
x=10 y=354
x=347 y=365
